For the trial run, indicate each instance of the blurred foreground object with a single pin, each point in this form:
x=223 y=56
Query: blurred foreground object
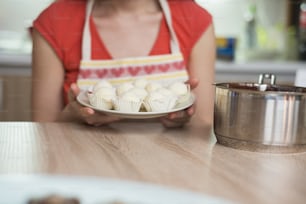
x=54 y=199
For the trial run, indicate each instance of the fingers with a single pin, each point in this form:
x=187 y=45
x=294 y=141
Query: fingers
x=177 y=115
x=90 y=117
x=178 y=119
x=181 y=114
x=191 y=111
x=193 y=82
x=74 y=87
x=173 y=123
x=86 y=114
x=107 y=120
x=80 y=112
x=100 y=120
x=73 y=92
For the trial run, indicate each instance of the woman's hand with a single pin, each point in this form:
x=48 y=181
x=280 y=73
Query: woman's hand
x=180 y=118
x=86 y=114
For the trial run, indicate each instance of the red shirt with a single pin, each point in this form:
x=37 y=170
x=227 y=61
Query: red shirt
x=61 y=24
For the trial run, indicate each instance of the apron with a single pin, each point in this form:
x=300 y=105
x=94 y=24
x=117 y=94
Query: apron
x=165 y=68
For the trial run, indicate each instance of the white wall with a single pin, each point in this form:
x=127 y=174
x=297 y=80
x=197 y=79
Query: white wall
x=227 y=14
x=16 y=15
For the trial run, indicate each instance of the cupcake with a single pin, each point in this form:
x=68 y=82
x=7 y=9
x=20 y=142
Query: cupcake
x=102 y=98
x=153 y=86
x=128 y=102
x=142 y=94
x=102 y=84
x=166 y=92
x=122 y=88
x=156 y=101
x=139 y=92
x=140 y=83
x=98 y=85
x=182 y=91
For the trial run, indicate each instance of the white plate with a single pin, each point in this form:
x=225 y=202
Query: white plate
x=20 y=189
x=83 y=99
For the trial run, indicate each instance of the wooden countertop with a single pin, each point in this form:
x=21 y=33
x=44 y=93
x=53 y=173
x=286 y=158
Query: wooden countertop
x=187 y=158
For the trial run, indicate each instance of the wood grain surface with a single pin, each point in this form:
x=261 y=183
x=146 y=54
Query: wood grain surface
x=187 y=158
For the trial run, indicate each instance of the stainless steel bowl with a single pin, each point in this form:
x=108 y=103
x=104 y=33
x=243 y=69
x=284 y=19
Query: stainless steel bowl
x=261 y=116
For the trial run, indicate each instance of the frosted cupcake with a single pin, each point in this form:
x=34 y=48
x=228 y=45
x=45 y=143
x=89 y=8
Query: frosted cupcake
x=128 y=102
x=122 y=88
x=140 y=83
x=98 y=85
x=182 y=91
x=156 y=101
x=102 y=84
x=166 y=92
x=153 y=86
x=139 y=92
x=102 y=98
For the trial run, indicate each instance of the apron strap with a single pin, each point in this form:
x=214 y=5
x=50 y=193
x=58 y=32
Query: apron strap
x=174 y=44
x=86 y=39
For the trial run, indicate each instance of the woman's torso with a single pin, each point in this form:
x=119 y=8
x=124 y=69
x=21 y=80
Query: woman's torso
x=62 y=25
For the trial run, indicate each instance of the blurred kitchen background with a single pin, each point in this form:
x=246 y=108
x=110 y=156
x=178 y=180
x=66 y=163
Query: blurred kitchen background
x=253 y=37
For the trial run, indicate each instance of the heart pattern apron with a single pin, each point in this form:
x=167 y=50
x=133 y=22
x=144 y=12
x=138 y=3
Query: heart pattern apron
x=164 y=68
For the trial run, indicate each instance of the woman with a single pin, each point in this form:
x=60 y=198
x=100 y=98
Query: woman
x=71 y=33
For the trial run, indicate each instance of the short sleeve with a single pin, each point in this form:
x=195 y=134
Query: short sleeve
x=201 y=20
x=190 y=21
x=46 y=25
x=60 y=24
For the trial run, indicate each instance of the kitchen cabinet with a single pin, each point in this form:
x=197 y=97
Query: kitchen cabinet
x=15 y=98
x=15 y=87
